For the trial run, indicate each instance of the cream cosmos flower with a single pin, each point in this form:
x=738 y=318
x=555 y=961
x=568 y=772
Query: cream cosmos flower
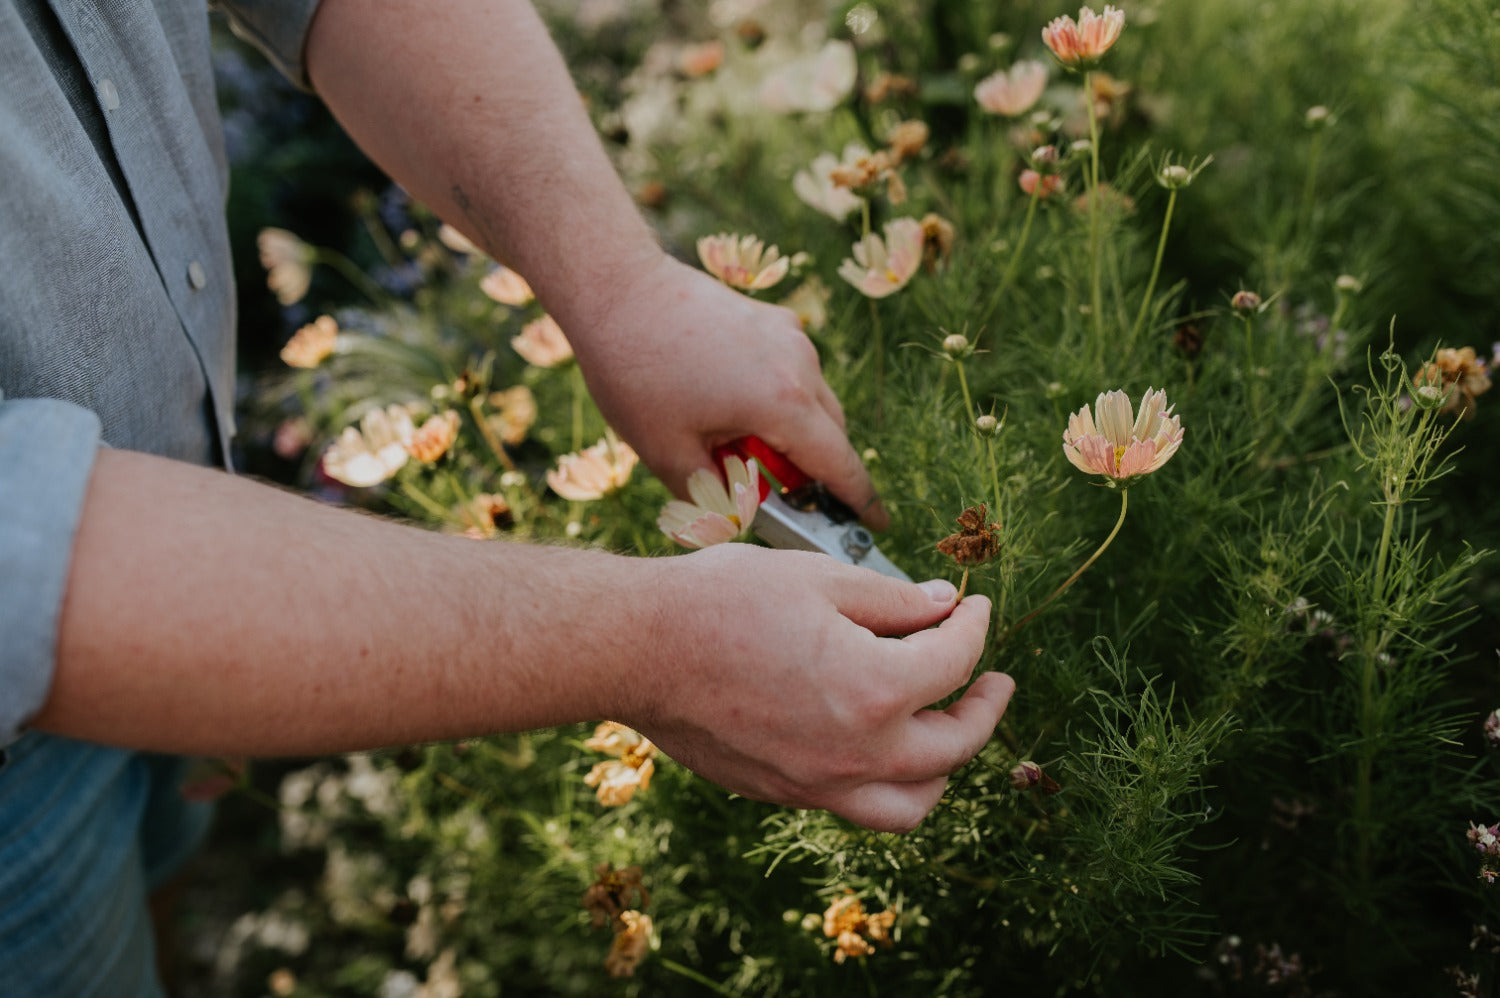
x=542 y=343
x=372 y=453
x=1012 y=92
x=288 y=262
x=717 y=513
x=1118 y=447
x=595 y=472
x=507 y=287
x=742 y=262
x=883 y=266
x=816 y=187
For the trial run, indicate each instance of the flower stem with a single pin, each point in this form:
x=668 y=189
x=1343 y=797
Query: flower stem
x=579 y=391
x=424 y=500
x=351 y=273
x=488 y=433
x=1015 y=257
x=1124 y=503
x=1161 y=246
x=963 y=383
x=879 y=339
x=994 y=474
x=1310 y=187
x=1096 y=251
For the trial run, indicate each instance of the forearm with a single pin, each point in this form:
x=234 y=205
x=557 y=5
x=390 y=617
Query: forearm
x=209 y=614
x=469 y=106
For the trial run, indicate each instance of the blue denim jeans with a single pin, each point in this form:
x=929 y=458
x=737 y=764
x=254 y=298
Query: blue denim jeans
x=86 y=833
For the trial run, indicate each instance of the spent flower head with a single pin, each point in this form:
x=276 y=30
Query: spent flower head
x=853 y=930
x=743 y=262
x=977 y=540
x=882 y=267
x=1460 y=375
x=631 y=944
x=1081 y=44
x=1117 y=446
x=718 y=512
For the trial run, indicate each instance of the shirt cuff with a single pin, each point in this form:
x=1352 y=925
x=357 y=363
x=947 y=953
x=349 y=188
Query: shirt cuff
x=47 y=451
x=278 y=28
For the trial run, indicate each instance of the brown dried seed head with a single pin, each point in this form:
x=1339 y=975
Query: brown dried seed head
x=976 y=542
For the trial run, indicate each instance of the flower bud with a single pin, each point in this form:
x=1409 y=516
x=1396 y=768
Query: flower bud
x=1492 y=729
x=1348 y=284
x=1429 y=396
x=969 y=63
x=1174 y=176
x=1025 y=775
x=1080 y=148
x=1245 y=301
x=1045 y=156
x=1318 y=116
x=987 y=425
x=999 y=41
x=956 y=345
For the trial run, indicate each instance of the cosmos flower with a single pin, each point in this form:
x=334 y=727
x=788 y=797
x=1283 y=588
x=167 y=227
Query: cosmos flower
x=1117 y=447
x=515 y=412
x=882 y=267
x=854 y=932
x=1460 y=375
x=595 y=472
x=817 y=82
x=816 y=188
x=1081 y=44
x=700 y=59
x=435 y=436
x=372 y=453
x=542 y=343
x=507 y=287
x=810 y=302
x=616 y=782
x=718 y=513
x=312 y=344
x=742 y=262
x=288 y=262
x=1043 y=185
x=1012 y=92
x=632 y=942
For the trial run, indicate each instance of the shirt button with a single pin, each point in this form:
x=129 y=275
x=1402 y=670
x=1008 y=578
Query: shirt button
x=108 y=95
x=197 y=276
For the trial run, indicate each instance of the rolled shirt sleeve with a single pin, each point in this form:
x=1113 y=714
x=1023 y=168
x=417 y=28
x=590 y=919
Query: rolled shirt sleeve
x=278 y=28
x=47 y=450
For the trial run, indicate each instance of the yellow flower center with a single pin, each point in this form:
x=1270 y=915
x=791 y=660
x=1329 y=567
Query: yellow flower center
x=1119 y=453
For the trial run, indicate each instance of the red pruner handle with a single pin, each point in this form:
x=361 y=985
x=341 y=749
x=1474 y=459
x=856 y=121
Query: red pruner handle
x=772 y=463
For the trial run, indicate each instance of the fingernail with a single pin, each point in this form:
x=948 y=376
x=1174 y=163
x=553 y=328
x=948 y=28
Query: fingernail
x=939 y=590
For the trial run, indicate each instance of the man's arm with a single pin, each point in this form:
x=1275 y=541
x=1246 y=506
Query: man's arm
x=468 y=104
x=210 y=614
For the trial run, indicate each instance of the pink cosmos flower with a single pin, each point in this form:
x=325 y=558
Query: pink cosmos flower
x=595 y=472
x=743 y=262
x=816 y=188
x=1118 y=447
x=1012 y=92
x=542 y=343
x=1082 y=43
x=1043 y=185
x=718 y=513
x=882 y=267
x=507 y=287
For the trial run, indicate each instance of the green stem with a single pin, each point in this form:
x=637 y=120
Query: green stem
x=994 y=474
x=879 y=362
x=1124 y=503
x=1370 y=654
x=695 y=977
x=1015 y=257
x=1309 y=189
x=1096 y=251
x=493 y=442
x=352 y=274
x=424 y=500
x=1161 y=246
x=579 y=391
x=963 y=383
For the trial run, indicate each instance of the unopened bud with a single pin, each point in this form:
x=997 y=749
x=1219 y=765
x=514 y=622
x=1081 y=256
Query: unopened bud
x=1318 y=116
x=999 y=41
x=1175 y=176
x=987 y=425
x=1429 y=396
x=1348 y=284
x=969 y=63
x=956 y=345
x=1245 y=301
x=1492 y=729
x=1045 y=156
x=1080 y=147
x=1028 y=775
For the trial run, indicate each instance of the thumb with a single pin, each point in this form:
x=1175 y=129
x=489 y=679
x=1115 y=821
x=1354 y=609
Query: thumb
x=890 y=607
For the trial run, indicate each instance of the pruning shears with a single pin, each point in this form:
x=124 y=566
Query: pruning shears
x=799 y=513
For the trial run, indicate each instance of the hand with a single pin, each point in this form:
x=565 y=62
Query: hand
x=679 y=364
x=782 y=676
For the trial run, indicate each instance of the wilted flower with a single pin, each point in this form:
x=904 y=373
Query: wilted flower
x=374 y=452
x=742 y=261
x=515 y=412
x=700 y=59
x=854 y=931
x=884 y=266
x=976 y=542
x=1460 y=375
x=1012 y=92
x=312 y=344
x=507 y=287
x=810 y=303
x=613 y=892
x=1083 y=43
x=434 y=438
x=618 y=779
x=632 y=942
x=288 y=262
x=1042 y=185
x=542 y=343
x=862 y=174
x=1116 y=447
x=486 y=514
x=937 y=240
x=907 y=139
x=718 y=513
x=816 y=188
x=817 y=82
x=888 y=86
x=595 y=472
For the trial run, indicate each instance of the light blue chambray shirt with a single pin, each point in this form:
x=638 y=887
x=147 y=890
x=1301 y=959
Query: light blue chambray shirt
x=116 y=328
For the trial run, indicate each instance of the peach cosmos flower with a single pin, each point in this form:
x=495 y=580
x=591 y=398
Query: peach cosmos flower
x=1080 y=44
x=718 y=513
x=743 y=262
x=616 y=780
x=1012 y=92
x=1043 y=185
x=846 y=922
x=816 y=188
x=882 y=267
x=1460 y=374
x=434 y=438
x=457 y=241
x=372 y=453
x=515 y=412
x=1117 y=447
x=507 y=287
x=700 y=59
x=542 y=343
x=312 y=344
x=631 y=944
x=595 y=472
x=288 y=262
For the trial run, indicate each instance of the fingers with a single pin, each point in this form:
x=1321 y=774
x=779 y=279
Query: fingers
x=935 y=662
x=821 y=449
x=891 y=807
x=937 y=742
x=888 y=606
